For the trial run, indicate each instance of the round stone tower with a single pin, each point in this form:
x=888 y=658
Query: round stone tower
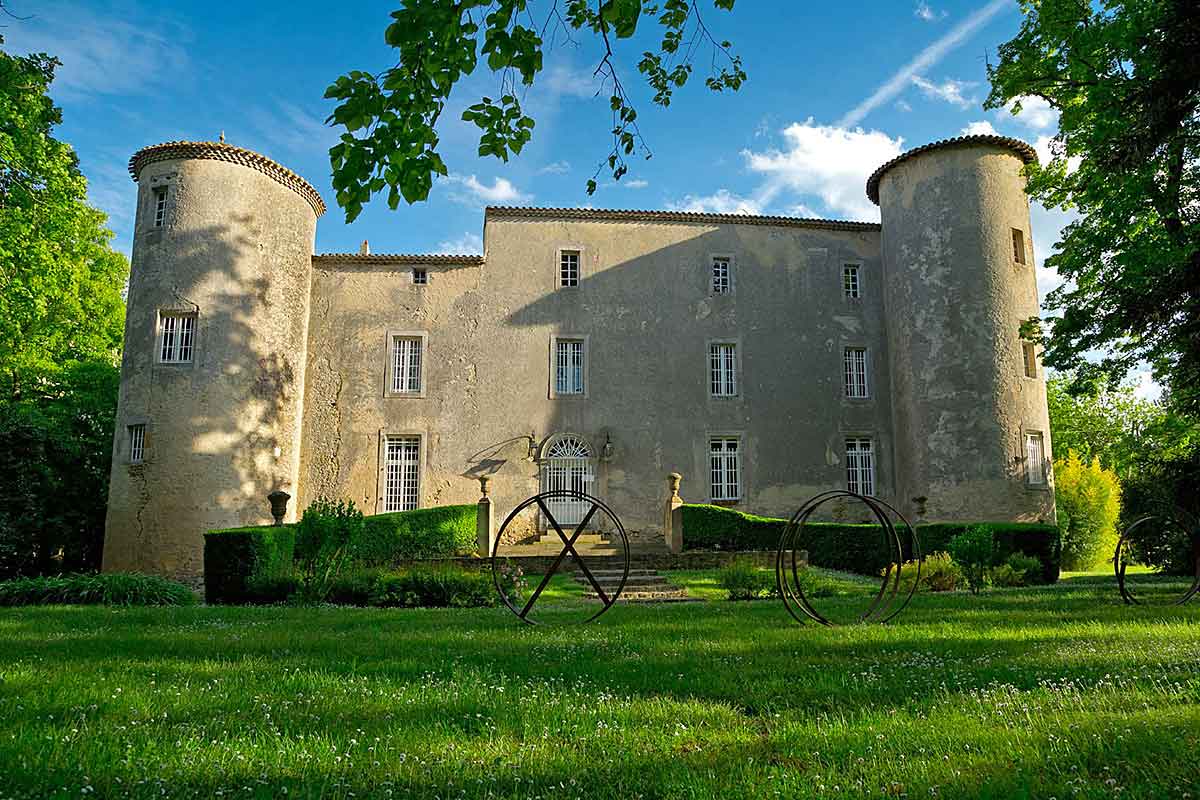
x=972 y=433
x=212 y=378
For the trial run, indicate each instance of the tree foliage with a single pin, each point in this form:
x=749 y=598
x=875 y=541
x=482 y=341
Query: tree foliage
x=1088 y=498
x=1124 y=76
x=60 y=281
x=390 y=118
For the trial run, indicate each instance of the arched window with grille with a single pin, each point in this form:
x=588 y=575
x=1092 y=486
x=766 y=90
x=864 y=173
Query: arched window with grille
x=567 y=464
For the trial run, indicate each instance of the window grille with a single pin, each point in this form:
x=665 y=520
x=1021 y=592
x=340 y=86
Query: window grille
x=860 y=466
x=137 y=444
x=722 y=282
x=1035 y=459
x=855 y=359
x=406 y=364
x=1018 y=241
x=420 y=277
x=1030 y=356
x=160 y=206
x=402 y=473
x=178 y=333
x=725 y=462
x=568 y=268
x=722 y=369
x=850 y=285
x=568 y=366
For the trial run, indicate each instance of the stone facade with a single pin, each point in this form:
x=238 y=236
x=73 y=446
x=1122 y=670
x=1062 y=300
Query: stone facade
x=293 y=385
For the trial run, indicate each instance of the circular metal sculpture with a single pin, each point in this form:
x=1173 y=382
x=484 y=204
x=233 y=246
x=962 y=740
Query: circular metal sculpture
x=888 y=602
x=1184 y=525
x=543 y=501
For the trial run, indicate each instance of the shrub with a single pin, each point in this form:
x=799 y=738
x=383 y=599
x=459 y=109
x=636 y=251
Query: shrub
x=1032 y=539
x=235 y=556
x=110 y=589
x=323 y=540
x=1018 y=570
x=972 y=551
x=939 y=573
x=1089 y=504
x=742 y=580
x=355 y=588
x=440 y=532
x=272 y=588
x=511 y=579
x=435 y=588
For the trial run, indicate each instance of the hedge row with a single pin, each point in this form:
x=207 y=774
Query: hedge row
x=236 y=558
x=857 y=547
x=107 y=589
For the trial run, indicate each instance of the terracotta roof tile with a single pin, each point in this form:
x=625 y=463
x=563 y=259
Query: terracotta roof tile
x=1022 y=150
x=396 y=258
x=618 y=215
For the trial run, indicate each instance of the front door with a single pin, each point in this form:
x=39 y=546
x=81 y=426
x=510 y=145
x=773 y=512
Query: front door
x=568 y=465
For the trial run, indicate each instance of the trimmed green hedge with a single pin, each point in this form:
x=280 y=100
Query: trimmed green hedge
x=238 y=561
x=107 y=589
x=856 y=547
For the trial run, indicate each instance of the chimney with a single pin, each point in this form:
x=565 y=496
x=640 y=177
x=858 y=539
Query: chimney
x=364 y=249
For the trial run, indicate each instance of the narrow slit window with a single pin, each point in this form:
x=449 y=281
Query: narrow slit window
x=568 y=366
x=137 y=444
x=722 y=275
x=568 y=268
x=855 y=359
x=402 y=473
x=420 y=277
x=850 y=282
x=406 y=364
x=1035 y=459
x=1018 y=242
x=722 y=369
x=860 y=466
x=177 y=336
x=160 y=206
x=725 y=462
x=1029 y=352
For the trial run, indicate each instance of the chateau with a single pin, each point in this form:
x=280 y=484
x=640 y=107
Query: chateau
x=765 y=359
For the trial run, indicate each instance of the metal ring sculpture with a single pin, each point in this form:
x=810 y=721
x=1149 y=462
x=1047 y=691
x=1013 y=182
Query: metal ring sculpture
x=1180 y=521
x=883 y=608
x=568 y=547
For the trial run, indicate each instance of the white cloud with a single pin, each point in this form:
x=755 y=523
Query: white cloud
x=290 y=127
x=565 y=81
x=634 y=183
x=722 y=202
x=828 y=162
x=501 y=192
x=902 y=105
x=928 y=57
x=980 y=127
x=556 y=168
x=467 y=244
x=925 y=12
x=950 y=90
x=1036 y=113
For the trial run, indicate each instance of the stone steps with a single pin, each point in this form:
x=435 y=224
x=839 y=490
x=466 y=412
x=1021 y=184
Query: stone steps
x=642 y=586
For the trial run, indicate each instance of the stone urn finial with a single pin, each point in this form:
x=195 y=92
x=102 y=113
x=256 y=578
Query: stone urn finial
x=279 y=500
x=675 y=478
x=484 y=480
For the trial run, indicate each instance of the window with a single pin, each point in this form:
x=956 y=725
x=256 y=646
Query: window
x=850 y=284
x=137 y=444
x=420 y=277
x=725 y=463
x=568 y=366
x=1029 y=352
x=860 y=466
x=1035 y=460
x=568 y=268
x=402 y=473
x=722 y=369
x=855 y=359
x=406 y=364
x=177 y=334
x=1018 y=239
x=722 y=275
x=160 y=206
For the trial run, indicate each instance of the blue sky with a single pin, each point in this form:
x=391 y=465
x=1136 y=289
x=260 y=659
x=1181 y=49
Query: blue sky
x=834 y=90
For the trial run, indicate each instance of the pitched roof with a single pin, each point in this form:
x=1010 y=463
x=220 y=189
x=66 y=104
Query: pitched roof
x=619 y=215
x=397 y=258
x=220 y=151
x=1022 y=150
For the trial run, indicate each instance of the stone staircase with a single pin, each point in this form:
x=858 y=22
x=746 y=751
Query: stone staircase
x=548 y=544
x=642 y=586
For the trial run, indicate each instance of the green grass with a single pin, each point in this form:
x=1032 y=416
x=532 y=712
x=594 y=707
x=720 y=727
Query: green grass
x=1056 y=692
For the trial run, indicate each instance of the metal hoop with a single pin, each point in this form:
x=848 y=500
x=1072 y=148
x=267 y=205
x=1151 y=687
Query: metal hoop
x=1178 y=519
x=568 y=547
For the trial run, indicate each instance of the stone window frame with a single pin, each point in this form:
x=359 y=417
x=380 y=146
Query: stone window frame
x=381 y=454
x=390 y=365
x=178 y=310
x=167 y=183
x=557 y=273
x=876 y=448
x=858 y=267
x=555 y=338
x=742 y=482
x=868 y=368
x=1020 y=246
x=423 y=272
x=731 y=259
x=738 y=372
x=1044 y=484
x=127 y=442
x=1028 y=348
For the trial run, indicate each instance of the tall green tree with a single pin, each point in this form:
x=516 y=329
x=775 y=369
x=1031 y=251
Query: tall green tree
x=60 y=280
x=390 y=118
x=1124 y=76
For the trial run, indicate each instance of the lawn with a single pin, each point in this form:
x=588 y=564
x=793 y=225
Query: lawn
x=1057 y=692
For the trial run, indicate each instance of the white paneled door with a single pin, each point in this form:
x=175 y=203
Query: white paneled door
x=568 y=465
